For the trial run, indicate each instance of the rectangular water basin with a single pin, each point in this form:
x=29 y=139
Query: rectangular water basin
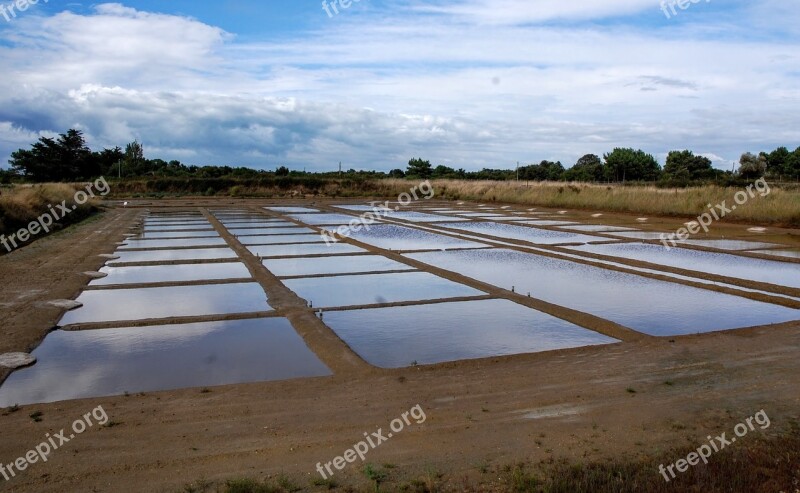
x=186 y=242
x=280 y=239
x=395 y=237
x=653 y=307
x=332 y=265
x=304 y=249
x=126 y=256
x=171 y=273
x=395 y=337
x=110 y=362
x=722 y=264
x=531 y=235
x=118 y=305
x=370 y=289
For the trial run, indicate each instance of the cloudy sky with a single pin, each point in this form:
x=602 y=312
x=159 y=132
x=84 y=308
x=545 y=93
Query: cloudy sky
x=464 y=83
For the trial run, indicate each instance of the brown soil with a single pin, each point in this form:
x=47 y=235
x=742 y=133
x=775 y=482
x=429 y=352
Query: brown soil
x=627 y=400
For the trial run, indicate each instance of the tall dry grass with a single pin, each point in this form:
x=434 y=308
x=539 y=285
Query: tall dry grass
x=22 y=204
x=779 y=207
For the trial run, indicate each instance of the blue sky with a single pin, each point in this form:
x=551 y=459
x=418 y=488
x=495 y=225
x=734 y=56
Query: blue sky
x=465 y=83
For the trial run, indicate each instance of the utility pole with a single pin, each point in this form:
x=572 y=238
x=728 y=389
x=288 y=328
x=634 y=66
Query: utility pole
x=340 y=168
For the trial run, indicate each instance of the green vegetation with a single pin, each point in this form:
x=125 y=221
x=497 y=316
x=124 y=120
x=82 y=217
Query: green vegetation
x=67 y=158
x=771 y=466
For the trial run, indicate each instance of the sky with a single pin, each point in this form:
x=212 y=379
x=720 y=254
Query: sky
x=464 y=83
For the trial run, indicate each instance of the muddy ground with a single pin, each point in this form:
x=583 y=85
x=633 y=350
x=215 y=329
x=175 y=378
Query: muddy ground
x=633 y=399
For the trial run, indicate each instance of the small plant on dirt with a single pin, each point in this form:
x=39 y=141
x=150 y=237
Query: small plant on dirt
x=112 y=424
x=521 y=479
x=630 y=390
x=329 y=483
x=36 y=416
x=11 y=409
x=286 y=484
x=375 y=475
x=205 y=391
x=250 y=486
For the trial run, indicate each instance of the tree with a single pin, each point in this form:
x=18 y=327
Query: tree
x=282 y=171
x=684 y=165
x=752 y=166
x=544 y=171
x=587 y=168
x=776 y=161
x=397 y=173
x=444 y=172
x=629 y=164
x=419 y=168
x=64 y=159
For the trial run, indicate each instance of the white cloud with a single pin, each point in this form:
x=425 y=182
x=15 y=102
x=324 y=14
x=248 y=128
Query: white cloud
x=467 y=84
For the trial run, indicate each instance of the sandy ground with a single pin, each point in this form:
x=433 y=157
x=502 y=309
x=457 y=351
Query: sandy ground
x=638 y=397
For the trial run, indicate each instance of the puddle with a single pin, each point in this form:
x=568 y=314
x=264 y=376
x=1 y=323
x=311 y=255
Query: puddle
x=171 y=273
x=117 y=305
x=556 y=411
x=328 y=292
x=333 y=265
x=147 y=359
x=531 y=235
x=653 y=307
x=188 y=242
x=248 y=221
x=324 y=219
x=271 y=231
x=723 y=264
x=397 y=336
x=394 y=237
x=173 y=255
x=304 y=249
x=279 y=239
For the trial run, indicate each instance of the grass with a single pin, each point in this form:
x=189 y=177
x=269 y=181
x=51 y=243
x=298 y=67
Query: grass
x=757 y=465
x=779 y=207
x=21 y=205
x=36 y=416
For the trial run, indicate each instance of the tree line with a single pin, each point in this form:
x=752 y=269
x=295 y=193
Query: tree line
x=68 y=158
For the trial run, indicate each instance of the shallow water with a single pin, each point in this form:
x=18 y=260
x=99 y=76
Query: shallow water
x=531 y=235
x=653 y=307
x=419 y=217
x=397 y=336
x=280 y=239
x=271 y=231
x=328 y=292
x=171 y=235
x=147 y=359
x=173 y=255
x=117 y=305
x=291 y=209
x=187 y=242
x=304 y=249
x=723 y=264
x=325 y=219
x=171 y=273
x=780 y=253
x=596 y=228
x=333 y=265
x=394 y=237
